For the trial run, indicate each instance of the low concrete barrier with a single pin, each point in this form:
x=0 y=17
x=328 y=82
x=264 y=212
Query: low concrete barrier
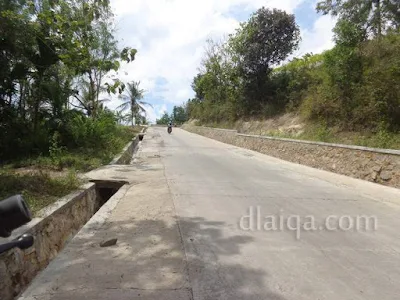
x=54 y=227
x=372 y=164
x=125 y=157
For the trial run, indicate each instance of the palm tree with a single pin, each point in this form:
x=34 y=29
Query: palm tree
x=132 y=100
x=121 y=116
x=88 y=99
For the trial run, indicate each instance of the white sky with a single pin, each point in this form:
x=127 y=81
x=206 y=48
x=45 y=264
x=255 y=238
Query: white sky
x=170 y=37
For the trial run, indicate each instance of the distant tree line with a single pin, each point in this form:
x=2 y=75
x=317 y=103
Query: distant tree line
x=355 y=85
x=178 y=116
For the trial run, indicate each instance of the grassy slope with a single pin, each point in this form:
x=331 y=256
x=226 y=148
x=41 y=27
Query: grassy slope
x=290 y=126
x=42 y=180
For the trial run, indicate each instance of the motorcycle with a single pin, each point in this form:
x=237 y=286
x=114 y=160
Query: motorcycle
x=14 y=213
x=169 y=129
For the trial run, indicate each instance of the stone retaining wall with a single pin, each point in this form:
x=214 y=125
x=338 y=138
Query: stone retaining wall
x=56 y=225
x=125 y=157
x=376 y=165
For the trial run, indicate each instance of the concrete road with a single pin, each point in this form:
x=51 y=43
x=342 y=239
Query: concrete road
x=214 y=185
x=184 y=231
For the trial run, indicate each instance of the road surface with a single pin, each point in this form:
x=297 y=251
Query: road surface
x=216 y=253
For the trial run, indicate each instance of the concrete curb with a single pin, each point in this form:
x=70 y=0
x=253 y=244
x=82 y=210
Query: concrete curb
x=125 y=157
x=352 y=147
x=126 y=154
x=88 y=230
x=54 y=228
x=219 y=129
x=77 y=209
x=370 y=164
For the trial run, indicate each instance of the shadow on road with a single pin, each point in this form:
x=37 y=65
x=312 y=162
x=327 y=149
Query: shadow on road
x=149 y=262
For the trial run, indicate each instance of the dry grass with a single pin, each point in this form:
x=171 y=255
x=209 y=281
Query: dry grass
x=38 y=188
x=290 y=126
x=42 y=180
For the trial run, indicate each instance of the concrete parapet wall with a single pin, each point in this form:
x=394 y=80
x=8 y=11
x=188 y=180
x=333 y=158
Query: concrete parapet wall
x=52 y=229
x=376 y=165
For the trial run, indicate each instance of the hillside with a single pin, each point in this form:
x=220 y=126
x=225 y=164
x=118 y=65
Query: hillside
x=290 y=125
x=349 y=94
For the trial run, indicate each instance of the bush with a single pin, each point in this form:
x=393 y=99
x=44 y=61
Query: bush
x=382 y=80
x=38 y=187
x=353 y=87
x=357 y=88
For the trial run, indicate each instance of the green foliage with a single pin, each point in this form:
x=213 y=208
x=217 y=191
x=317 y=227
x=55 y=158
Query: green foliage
x=235 y=79
x=293 y=80
x=54 y=58
x=164 y=120
x=179 y=115
x=380 y=92
x=38 y=188
x=361 y=86
x=381 y=139
x=133 y=101
x=264 y=41
x=373 y=16
x=90 y=133
x=55 y=150
x=269 y=37
x=352 y=87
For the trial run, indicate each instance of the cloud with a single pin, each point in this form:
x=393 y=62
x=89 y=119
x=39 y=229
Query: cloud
x=318 y=38
x=155 y=112
x=170 y=36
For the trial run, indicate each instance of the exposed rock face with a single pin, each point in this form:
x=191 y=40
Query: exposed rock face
x=372 y=166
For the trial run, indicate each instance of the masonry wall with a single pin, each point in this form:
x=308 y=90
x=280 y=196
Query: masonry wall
x=376 y=165
x=57 y=224
x=52 y=229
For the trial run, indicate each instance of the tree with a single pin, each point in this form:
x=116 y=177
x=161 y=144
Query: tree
x=54 y=58
x=164 y=120
x=264 y=41
x=197 y=88
x=235 y=75
x=373 y=16
x=87 y=97
x=122 y=118
x=132 y=100
x=179 y=114
x=142 y=120
x=99 y=53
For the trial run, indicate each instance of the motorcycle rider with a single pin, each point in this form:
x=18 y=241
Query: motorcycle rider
x=169 y=127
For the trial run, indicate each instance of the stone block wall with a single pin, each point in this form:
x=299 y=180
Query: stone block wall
x=125 y=157
x=58 y=224
x=54 y=227
x=376 y=165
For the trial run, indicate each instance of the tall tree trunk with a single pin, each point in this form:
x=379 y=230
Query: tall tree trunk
x=132 y=116
x=379 y=17
x=92 y=95
x=21 y=98
x=99 y=78
x=36 y=103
